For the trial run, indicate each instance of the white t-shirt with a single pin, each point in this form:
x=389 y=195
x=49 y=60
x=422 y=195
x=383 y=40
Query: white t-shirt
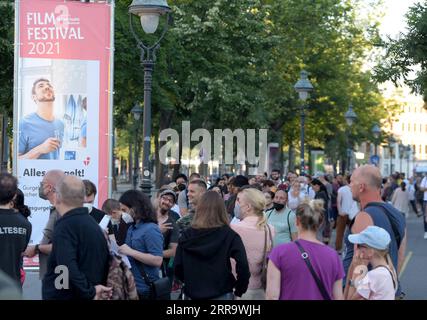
x=423 y=184
x=377 y=285
x=348 y=205
x=293 y=202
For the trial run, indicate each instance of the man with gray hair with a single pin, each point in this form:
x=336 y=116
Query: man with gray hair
x=79 y=261
x=46 y=192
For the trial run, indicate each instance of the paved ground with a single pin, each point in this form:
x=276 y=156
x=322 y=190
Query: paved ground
x=413 y=275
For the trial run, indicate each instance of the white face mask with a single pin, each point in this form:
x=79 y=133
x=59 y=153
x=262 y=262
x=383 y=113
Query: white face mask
x=89 y=206
x=127 y=217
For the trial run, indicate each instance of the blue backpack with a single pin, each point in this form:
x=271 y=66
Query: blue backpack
x=396 y=218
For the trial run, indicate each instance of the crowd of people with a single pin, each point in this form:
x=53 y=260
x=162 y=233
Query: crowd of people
x=250 y=238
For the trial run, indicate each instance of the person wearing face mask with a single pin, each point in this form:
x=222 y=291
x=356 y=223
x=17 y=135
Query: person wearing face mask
x=252 y=229
x=295 y=197
x=90 y=194
x=282 y=219
x=144 y=242
x=79 y=246
x=119 y=222
x=44 y=248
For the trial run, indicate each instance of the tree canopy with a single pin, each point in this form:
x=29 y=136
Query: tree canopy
x=407 y=55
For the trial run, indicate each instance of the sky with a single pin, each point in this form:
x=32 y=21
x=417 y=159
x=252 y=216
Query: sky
x=394 y=20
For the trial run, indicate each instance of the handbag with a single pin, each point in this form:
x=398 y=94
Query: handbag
x=267 y=233
x=319 y=282
x=159 y=289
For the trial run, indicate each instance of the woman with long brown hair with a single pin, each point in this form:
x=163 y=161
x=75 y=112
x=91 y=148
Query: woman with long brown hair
x=202 y=260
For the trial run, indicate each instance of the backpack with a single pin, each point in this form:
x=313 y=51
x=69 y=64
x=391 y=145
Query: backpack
x=121 y=279
x=396 y=218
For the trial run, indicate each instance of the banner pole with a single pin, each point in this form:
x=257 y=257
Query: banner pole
x=111 y=163
x=16 y=86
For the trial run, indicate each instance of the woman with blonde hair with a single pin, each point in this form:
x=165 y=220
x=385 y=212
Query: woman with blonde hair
x=305 y=269
x=202 y=260
x=256 y=235
x=294 y=196
x=380 y=283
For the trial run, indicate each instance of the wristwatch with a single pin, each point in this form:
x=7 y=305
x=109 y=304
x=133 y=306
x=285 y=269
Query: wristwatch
x=37 y=249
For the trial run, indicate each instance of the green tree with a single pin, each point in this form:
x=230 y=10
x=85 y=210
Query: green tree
x=408 y=53
x=6 y=54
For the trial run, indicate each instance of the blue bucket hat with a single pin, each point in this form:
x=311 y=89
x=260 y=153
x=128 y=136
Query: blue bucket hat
x=373 y=236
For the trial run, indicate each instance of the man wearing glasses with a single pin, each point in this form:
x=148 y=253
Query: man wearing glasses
x=46 y=192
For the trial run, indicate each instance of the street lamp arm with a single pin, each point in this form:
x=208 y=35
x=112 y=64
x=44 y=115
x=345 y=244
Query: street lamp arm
x=149 y=52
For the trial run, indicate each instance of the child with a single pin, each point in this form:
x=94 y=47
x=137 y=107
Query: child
x=120 y=221
x=380 y=283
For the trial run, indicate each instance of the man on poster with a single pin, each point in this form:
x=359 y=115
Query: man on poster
x=40 y=133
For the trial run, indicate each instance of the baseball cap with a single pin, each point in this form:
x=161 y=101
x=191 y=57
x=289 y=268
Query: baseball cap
x=169 y=193
x=373 y=236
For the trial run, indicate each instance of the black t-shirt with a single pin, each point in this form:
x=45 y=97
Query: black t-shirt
x=97 y=214
x=15 y=233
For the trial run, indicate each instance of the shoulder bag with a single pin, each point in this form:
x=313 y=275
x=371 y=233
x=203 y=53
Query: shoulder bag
x=159 y=289
x=319 y=282
x=267 y=233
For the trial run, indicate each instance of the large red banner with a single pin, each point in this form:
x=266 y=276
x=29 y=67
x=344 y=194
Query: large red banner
x=64 y=45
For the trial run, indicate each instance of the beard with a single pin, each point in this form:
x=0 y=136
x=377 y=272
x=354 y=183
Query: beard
x=44 y=97
x=164 y=210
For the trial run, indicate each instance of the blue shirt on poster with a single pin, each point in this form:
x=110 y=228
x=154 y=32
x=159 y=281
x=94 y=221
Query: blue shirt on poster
x=83 y=129
x=146 y=238
x=34 y=130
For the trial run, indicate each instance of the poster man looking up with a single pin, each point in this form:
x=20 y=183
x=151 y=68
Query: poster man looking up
x=40 y=133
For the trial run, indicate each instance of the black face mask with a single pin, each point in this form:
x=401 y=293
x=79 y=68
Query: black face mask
x=278 y=206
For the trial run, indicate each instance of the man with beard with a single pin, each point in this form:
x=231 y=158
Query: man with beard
x=46 y=192
x=40 y=133
x=275 y=176
x=169 y=229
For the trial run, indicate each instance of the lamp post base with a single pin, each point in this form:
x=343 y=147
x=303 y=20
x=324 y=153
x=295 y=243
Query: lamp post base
x=146 y=187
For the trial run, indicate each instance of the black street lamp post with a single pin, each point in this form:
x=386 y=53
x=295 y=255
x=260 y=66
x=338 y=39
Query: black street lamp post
x=303 y=87
x=350 y=116
x=376 y=130
x=136 y=111
x=149 y=12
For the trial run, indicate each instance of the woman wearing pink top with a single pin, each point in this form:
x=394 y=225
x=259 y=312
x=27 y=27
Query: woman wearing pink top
x=249 y=209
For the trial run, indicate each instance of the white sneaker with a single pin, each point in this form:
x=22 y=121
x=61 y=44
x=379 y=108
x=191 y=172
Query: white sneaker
x=425 y=235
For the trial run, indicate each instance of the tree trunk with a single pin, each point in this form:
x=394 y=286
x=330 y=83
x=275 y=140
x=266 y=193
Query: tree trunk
x=130 y=162
x=291 y=157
